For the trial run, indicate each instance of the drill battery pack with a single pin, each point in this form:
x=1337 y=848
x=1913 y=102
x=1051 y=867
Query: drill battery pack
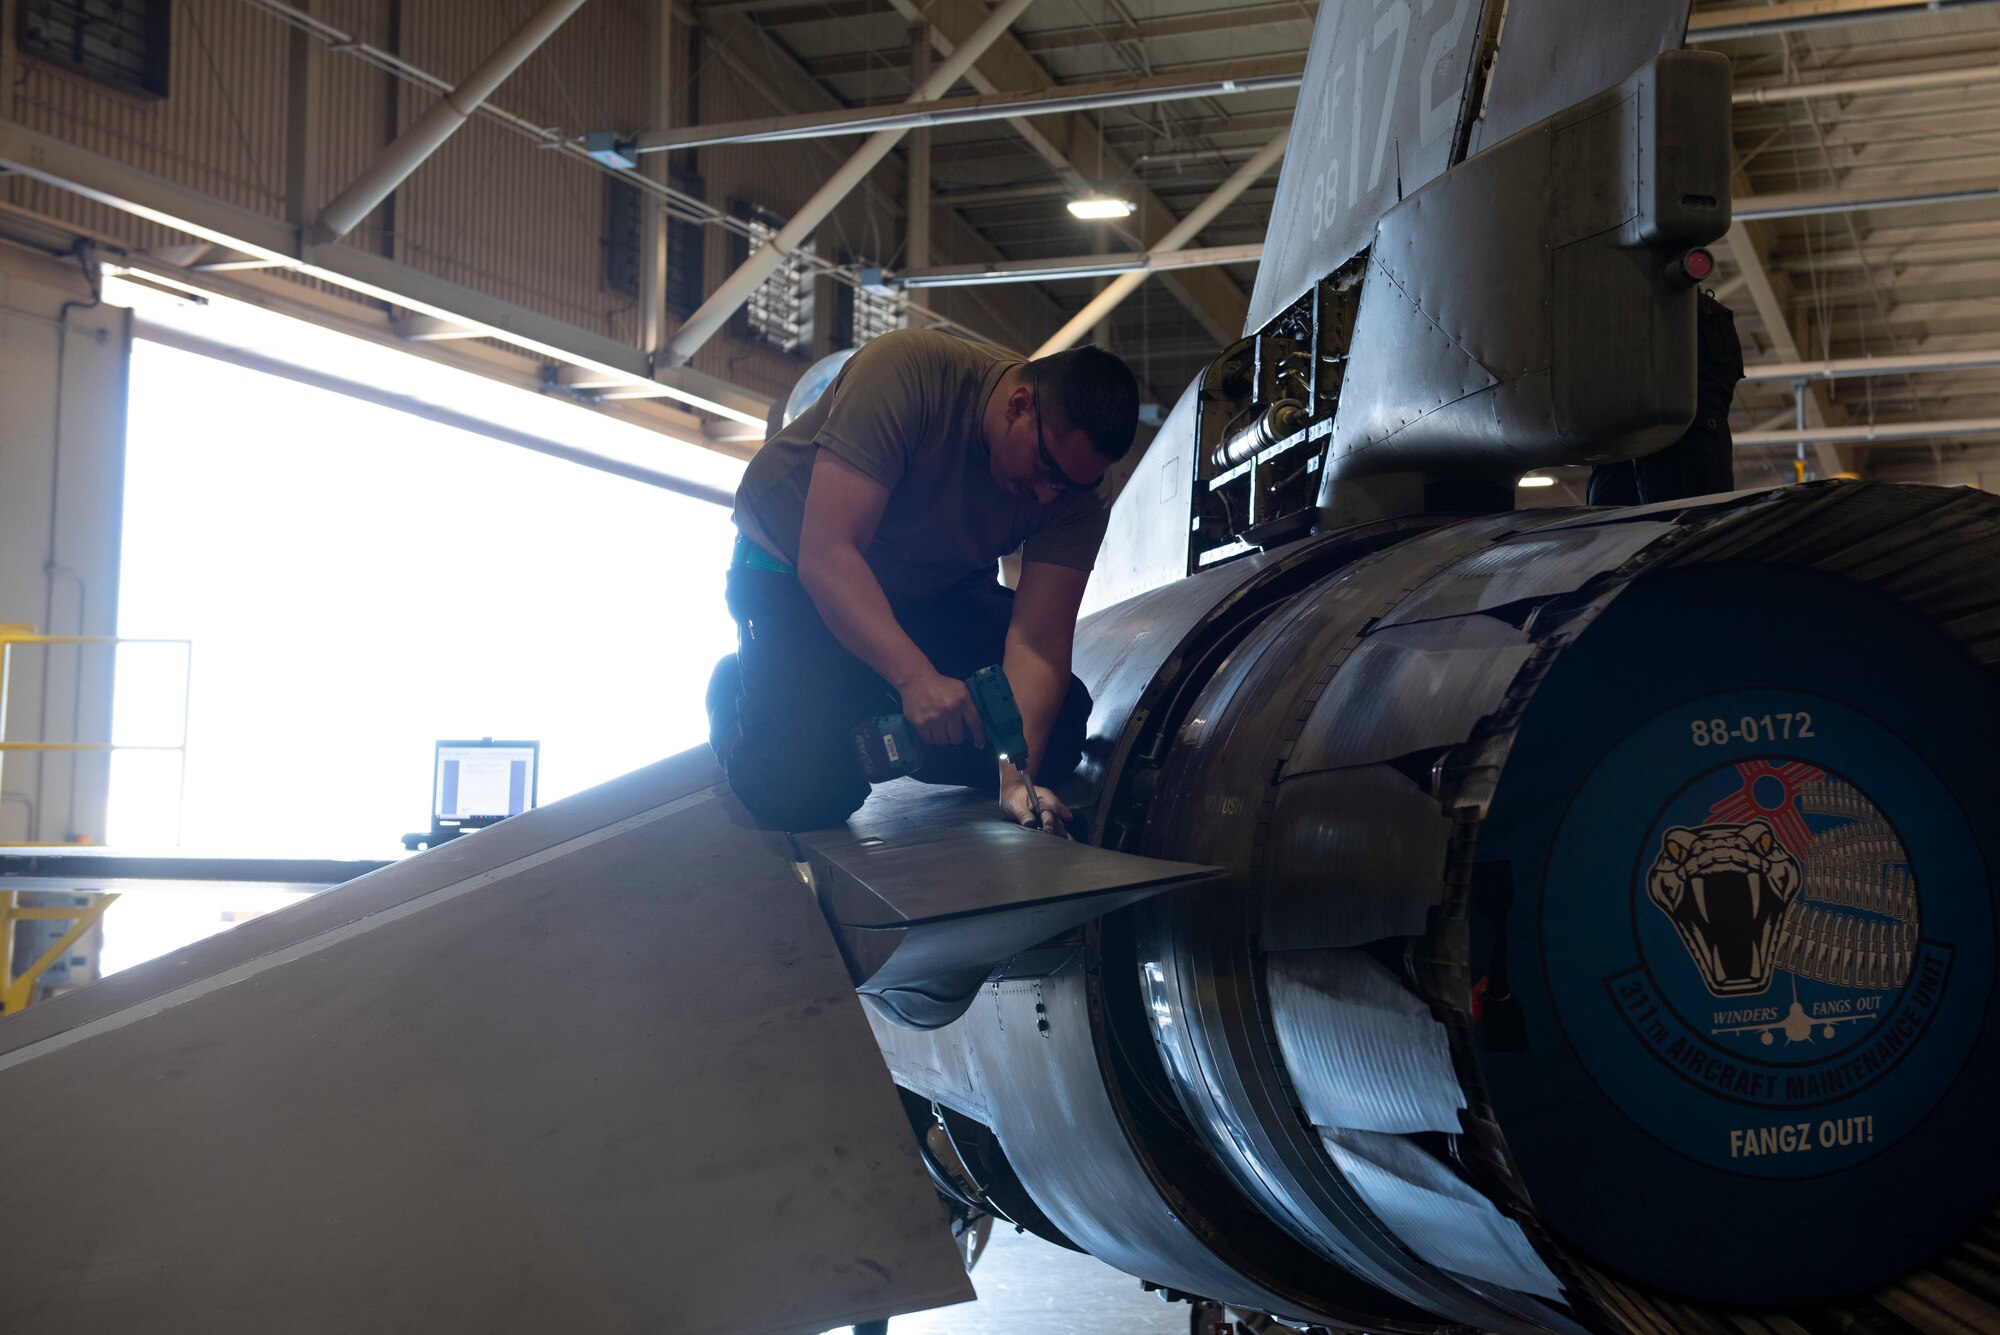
x=887 y=747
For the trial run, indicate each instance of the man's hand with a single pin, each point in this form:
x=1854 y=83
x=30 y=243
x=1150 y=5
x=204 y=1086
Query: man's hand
x=941 y=710
x=1014 y=801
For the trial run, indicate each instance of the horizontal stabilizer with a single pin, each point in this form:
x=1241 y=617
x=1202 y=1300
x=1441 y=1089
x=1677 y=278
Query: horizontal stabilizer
x=597 y=1068
x=930 y=890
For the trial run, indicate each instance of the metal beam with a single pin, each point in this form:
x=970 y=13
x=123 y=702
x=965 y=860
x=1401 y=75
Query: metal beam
x=1878 y=433
x=430 y=329
x=1729 y=287
x=1752 y=209
x=1724 y=25
x=1769 y=293
x=874 y=61
x=1804 y=202
x=571 y=148
x=736 y=289
x=1889 y=254
x=566 y=146
x=7 y=56
x=1002 y=194
x=1094 y=266
x=1854 y=368
x=412 y=147
x=1214 y=157
x=1238 y=19
x=733 y=42
x=772 y=13
x=430 y=412
x=917 y=184
x=777 y=13
x=720 y=38
x=1974 y=312
x=174 y=205
x=1965 y=77
x=327 y=307
x=1249 y=76
x=1081 y=266
x=654 y=232
x=302 y=144
x=1210 y=296
x=1177 y=236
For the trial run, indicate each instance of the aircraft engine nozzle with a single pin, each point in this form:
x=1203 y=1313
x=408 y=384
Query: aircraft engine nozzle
x=1609 y=942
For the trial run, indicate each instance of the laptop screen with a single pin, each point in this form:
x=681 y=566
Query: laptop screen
x=484 y=780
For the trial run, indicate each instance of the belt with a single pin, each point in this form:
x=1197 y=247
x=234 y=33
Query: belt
x=748 y=553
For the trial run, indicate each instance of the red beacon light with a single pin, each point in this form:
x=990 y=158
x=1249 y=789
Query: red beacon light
x=1694 y=265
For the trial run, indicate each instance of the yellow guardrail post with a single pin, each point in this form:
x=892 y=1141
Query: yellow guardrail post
x=13 y=634
x=17 y=992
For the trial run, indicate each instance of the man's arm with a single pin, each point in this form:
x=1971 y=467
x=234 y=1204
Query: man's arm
x=1040 y=639
x=843 y=508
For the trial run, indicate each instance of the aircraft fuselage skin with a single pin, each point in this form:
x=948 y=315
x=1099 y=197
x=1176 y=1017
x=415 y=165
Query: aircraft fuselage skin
x=1538 y=826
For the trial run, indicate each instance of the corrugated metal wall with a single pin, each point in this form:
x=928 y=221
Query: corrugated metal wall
x=491 y=211
x=867 y=223
x=221 y=129
x=354 y=107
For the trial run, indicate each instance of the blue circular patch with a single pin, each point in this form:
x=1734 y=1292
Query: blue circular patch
x=1733 y=926
x=1769 y=964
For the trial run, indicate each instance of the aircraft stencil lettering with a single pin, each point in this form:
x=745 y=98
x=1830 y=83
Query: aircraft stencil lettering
x=1371 y=129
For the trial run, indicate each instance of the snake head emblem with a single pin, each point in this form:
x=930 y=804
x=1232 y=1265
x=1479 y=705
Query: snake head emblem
x=1725 y=888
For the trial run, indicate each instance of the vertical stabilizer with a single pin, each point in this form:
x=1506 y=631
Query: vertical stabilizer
x=1555 y=53
x=1392 y=89
x=1386 y=88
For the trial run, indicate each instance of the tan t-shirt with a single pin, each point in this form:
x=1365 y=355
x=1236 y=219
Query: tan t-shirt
x=905 y=410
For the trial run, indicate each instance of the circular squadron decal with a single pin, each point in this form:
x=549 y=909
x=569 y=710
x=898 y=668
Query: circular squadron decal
x=1783 y=926
x=1772 y=992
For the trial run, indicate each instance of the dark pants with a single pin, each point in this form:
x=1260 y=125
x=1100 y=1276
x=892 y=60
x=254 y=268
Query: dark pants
x=782 y=709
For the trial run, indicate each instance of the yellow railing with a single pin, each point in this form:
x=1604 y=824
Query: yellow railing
x=17 y=990
x=15 y=635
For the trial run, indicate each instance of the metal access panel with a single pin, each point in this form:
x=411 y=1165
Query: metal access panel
x=598 y=1068
x=929 y=893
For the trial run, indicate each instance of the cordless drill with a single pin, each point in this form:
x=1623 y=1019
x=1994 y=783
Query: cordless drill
x=889 y=747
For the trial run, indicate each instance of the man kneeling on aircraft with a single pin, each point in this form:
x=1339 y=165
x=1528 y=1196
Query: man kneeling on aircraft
x=864 y=579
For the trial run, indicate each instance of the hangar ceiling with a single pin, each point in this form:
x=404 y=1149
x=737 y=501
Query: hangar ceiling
x=1865 y=269
x=1873 y=204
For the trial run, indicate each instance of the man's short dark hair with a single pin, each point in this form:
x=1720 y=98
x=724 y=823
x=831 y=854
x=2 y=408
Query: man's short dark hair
x=1092 y=391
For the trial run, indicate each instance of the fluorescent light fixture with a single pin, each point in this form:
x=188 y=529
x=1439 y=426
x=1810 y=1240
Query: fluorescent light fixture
x=1536 y=480
x=610 y=150
x=1096 y=208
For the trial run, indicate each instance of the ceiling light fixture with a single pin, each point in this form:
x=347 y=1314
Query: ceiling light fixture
x=1096 y=208
x=1537 y=480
